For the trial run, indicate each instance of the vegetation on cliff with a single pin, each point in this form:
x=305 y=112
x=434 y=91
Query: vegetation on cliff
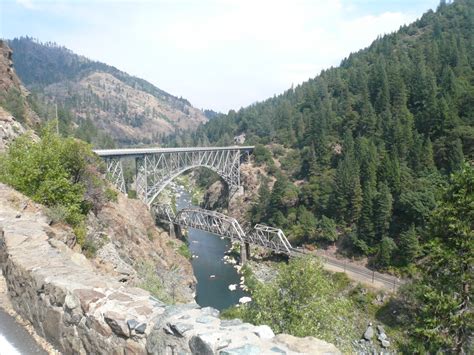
x=370 y=156
x=60 y=173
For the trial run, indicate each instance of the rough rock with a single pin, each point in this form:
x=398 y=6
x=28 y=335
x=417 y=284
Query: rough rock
x=205 y=344
x=141 y=328
x=9 y=129
x=210 y=311
x=385 y=343
x=247 y=349
x=369 y=333
x=216 y=196
x=264 y=332
x=306 y=345
x=117 y=323
x=67 y=303
x=230 y=322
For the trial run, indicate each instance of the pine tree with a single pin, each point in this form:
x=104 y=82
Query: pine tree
x=409 y=246
x=383 y=211
x=348 y=192
x=441 y=301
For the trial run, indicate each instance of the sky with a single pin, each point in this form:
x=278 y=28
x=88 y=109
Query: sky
x=218 y=54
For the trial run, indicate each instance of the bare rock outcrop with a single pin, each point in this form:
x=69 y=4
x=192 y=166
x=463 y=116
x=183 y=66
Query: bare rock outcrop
x=216 y=196
x=9 y=80
x=9 y=129
x=250 y=178
x=8 y=77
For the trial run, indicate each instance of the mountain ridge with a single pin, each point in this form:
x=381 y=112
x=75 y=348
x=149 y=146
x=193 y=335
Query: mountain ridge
x=58 y=75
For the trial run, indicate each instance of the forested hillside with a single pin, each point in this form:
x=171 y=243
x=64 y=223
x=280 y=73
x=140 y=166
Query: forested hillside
x=130 y=109
x=361 y=150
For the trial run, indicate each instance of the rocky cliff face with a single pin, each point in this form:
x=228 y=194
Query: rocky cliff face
x=123 y=242
x=9 y=129
x=11 y=88
x=8 y=77
x=238 y=206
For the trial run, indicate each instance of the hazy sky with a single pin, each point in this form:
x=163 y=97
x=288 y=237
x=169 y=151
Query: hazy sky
x=219 y=54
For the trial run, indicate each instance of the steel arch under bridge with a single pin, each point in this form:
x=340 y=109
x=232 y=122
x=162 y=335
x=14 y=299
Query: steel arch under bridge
x=156 y=167
x=217 y=223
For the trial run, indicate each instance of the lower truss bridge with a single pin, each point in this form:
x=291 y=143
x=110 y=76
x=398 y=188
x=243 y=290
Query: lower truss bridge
x=217 y=223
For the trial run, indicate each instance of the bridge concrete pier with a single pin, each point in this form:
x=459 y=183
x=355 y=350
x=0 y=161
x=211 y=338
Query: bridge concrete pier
x=244 y=252
x=175 y=231
x=171 y=230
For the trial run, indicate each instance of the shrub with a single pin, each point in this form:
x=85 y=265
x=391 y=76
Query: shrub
x=60 y=173
x=81 y=233
x=13 y=102
x=303 y=300
x=151 y=282
x=262 y=154
x=54 y=171
x=184 y=251
x=111 y=195
x=132 y=193
x=57 y=214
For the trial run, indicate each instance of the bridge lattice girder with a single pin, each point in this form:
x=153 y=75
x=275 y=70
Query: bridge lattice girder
x=115 y=172
x=155 y=171
x=156 y=167
x=217 y=223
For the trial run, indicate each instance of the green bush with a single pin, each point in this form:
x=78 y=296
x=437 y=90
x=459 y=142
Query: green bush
x=80 y=231
x=132 y=193
x=60 y=173
x=262 y=155
x=303 y=300
x=184 y=251
x=111 y=195
x=13 y=101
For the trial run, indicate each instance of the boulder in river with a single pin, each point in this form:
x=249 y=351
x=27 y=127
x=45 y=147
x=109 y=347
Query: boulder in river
x=244 y=299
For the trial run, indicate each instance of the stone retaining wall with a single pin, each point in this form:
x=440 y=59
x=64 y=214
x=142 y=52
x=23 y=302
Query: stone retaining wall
x=81 y=311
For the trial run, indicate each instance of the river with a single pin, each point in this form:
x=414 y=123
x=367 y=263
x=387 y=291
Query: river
x=212 y=274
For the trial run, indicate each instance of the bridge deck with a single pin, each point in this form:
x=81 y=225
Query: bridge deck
x=141 y=151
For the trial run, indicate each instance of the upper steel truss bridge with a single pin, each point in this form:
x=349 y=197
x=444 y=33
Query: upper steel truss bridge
x=217 y=223
x=156 y=167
